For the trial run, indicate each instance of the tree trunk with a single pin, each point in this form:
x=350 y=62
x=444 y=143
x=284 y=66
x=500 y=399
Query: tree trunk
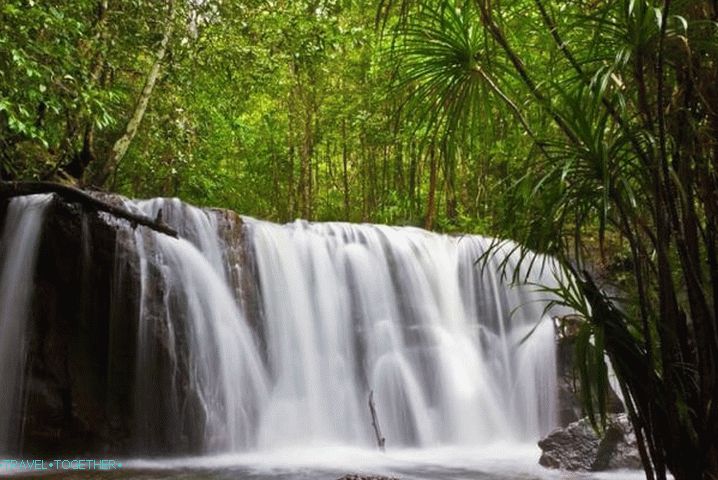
x=305 y=170
x=450 y=182
x=431 y=199
x=120 y=147
x=345 y=170
x=412 y=180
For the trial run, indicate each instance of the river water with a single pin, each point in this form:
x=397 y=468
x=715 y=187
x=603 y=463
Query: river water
x=498 y=462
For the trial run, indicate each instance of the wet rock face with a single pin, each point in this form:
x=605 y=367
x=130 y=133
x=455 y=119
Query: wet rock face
x=241 y=267
x=83 y=335
x=569 y=389
x=80 y=352
x=569 y=405
x=577 y=447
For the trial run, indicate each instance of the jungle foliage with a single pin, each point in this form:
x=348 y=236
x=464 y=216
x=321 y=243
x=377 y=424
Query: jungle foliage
x=277 y=109
x=585 y=129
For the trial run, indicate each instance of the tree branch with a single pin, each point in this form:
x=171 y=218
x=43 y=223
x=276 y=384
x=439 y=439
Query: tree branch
x=75 y=195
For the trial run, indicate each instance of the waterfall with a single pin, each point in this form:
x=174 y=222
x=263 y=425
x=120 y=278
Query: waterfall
x=406 y=313
x=18 y=255
x=186 y=299
x=254 y=336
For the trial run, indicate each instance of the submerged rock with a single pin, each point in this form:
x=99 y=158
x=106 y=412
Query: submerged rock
x=578 y=446
x=366 y=477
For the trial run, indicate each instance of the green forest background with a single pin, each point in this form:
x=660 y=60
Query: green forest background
x=584 y=129
x=276 y=109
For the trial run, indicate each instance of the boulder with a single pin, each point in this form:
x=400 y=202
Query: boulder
x=618 y=447
x=570 y=448
x=578 y=447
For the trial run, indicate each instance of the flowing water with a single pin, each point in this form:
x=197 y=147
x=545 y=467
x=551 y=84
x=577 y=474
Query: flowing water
x=462 y=363
x=18 y=253
x=353 y=308
x=345 y=310
x=194 y=303
x=501 y=461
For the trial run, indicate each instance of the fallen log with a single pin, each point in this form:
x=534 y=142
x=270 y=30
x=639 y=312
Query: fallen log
x=75 y=195
x=380 y=440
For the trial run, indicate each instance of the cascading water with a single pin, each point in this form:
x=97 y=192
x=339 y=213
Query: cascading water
x=18 y=254
x=185 y=298
x=341 y=310
x=406 y=313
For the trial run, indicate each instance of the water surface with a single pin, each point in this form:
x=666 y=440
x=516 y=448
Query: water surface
x=497 y=462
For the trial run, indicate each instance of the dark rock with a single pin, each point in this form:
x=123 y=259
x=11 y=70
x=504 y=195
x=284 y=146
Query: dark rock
x=569 y=405
x=578 y=446
x=241 y=266
x=83 y=343
x=570 y=408
x=571 y=448
x=618 y=447
x=79 y=356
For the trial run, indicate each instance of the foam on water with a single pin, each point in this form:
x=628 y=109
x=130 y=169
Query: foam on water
x=500 y=461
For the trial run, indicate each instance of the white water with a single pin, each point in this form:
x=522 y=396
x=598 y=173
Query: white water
x=186 y=298
x=18 y=255
x=498 y=461
x=408 y=314
x=345 y=309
